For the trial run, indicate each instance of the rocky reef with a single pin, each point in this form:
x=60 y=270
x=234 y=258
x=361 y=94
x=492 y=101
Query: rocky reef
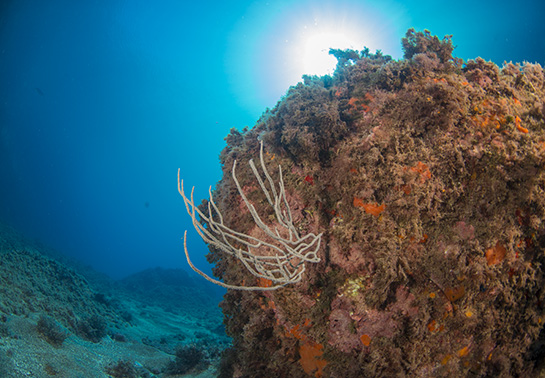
x=61 y=318
x=426 y=177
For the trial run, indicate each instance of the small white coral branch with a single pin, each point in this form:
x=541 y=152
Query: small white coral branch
x=281 y=259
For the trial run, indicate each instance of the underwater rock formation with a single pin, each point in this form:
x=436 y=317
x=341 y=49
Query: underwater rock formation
x=61 y=318
x=426 y=177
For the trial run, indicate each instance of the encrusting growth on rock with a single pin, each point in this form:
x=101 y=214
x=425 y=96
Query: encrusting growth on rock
x=424 y=181
x=277 y=256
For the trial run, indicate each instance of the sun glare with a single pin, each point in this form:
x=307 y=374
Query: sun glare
x=312 y=35
x=316 y=59
x=277 y=42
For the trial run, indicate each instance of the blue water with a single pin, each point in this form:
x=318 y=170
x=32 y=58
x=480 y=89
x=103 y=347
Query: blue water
x=102 y=101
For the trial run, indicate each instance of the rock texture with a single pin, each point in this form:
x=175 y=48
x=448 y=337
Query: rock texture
x=427 y=178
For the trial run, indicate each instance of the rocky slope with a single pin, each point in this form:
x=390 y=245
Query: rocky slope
x=60 y=319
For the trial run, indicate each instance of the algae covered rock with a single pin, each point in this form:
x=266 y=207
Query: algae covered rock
x=426 y=177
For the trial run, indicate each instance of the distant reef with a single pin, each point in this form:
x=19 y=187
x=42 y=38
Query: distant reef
x=60 y=318
x=426 y=177
x=31 y=282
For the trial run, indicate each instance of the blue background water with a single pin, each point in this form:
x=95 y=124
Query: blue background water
x=102 y=101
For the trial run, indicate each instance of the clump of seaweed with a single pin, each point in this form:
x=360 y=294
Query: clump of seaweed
x=93 y=328
x=187 y=358
x=51 y=331
x=122 y=369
